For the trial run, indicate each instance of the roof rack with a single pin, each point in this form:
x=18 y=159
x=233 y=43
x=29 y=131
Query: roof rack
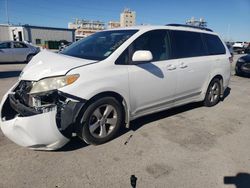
x=190 y=26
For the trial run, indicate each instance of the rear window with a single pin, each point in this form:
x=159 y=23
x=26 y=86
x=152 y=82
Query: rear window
x=5 y=45
x=214 y=44
x=187 y=44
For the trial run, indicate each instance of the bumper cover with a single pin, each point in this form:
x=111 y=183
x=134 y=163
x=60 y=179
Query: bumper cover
x=36 y=132
x=46 y=128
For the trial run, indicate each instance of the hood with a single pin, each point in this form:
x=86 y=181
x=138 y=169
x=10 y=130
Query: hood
x=48 y=64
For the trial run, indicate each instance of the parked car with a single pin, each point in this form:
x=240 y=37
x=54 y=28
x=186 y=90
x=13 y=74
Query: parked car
x=102 y=82
x=242 y=67
x=15 y=51
x=247 y=50
x=239 y=47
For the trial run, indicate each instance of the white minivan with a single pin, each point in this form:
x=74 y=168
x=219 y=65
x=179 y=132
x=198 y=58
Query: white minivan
x=102 y=82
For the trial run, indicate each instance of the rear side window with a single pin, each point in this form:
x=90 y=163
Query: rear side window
x=214 y=44
x=187 y=44
x=19 y=45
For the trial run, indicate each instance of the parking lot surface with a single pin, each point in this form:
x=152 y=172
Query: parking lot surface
x=190 y=146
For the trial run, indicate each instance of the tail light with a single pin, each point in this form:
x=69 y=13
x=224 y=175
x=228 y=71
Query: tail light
x=231 y=59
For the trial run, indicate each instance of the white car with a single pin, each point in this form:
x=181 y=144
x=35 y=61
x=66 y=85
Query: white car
x=241 y=44
x=102 y=82
x=16 y=51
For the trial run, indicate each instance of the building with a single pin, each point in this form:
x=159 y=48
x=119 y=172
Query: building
x=37 y=35
x=4 y=32
x=127 y=18
x=199 y=23
x=113 y=24
x=84 y=28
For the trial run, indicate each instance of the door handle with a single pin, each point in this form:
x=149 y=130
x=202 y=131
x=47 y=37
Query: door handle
x=183 y=65
x=171 y=67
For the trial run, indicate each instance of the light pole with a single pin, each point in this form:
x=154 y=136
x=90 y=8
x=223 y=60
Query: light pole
x=7 y=12
x=228 y=31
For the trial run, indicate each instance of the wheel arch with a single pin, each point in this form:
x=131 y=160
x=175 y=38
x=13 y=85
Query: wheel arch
x=119 y=98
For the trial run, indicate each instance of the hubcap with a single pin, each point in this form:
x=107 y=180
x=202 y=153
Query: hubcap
x=102 y=121
x=214 y=92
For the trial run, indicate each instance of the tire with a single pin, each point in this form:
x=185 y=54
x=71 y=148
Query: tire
x=29 y=57
x=97 y=126
x=213 y=93
x=237 y=72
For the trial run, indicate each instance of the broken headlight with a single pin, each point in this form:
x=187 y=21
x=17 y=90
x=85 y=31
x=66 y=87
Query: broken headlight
x=53 y=83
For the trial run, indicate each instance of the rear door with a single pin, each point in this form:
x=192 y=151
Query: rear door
x=20 y=51
x=193 y=64
x=218 y=57
x=6 y=52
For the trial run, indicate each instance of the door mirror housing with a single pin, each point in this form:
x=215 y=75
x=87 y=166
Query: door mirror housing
x=142 y=56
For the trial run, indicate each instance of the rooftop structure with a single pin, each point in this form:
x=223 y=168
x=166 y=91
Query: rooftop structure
x=198 y=23
x=127 y=18
x=86 y=27
x=113 y=24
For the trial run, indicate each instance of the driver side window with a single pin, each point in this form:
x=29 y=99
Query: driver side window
x=157 y=42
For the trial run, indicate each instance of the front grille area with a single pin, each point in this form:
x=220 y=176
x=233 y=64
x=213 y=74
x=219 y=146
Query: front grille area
x=22 y=91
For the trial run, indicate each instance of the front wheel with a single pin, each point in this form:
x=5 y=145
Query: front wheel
x=213 y=93
x=101 y=121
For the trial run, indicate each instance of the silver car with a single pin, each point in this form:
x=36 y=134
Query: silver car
x=15 y=51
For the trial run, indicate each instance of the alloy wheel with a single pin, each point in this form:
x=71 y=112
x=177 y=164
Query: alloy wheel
x=214 y=92
x=102 y=121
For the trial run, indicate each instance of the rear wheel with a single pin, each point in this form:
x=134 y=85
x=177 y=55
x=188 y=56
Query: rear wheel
x=29 y=57
x=101 y=121
x=213 y=93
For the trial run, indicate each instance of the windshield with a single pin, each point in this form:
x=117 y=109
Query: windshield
x=99 y=45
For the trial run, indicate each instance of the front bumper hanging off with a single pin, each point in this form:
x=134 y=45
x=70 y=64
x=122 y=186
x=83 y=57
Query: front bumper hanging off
x=46 y=127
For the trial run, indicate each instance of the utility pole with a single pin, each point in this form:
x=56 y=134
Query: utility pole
x=7 y=11
x=228 y=31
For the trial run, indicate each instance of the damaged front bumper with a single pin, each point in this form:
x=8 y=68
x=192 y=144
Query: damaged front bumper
x=43 y=121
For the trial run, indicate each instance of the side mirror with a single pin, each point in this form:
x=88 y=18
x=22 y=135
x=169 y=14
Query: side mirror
x=142 y=56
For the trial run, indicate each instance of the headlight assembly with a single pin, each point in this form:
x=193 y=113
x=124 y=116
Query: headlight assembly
x=53 y=83
x=240 y=60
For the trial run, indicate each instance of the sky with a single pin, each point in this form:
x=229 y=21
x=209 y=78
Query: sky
x=229 y=18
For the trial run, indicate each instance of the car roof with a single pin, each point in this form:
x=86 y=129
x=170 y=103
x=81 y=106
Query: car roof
x=151 y=27
x=10 y=41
